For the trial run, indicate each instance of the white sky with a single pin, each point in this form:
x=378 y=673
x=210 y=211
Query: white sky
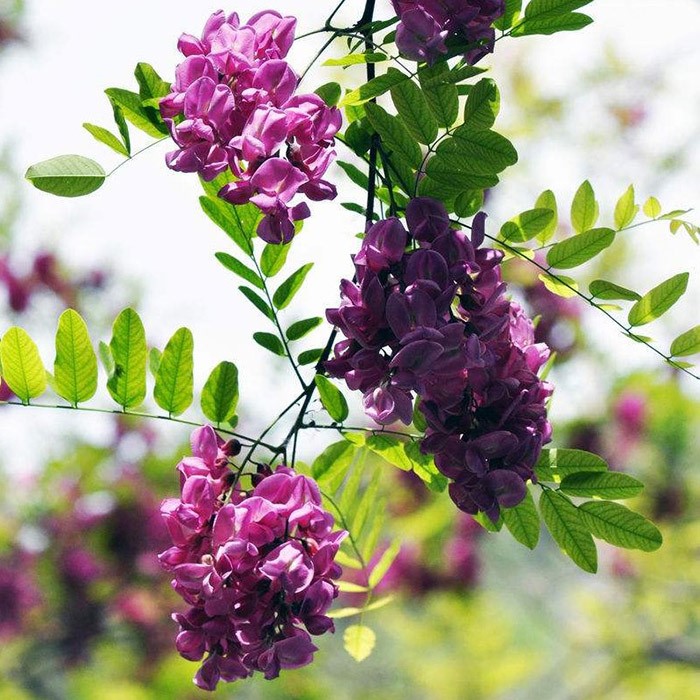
x=146 y=221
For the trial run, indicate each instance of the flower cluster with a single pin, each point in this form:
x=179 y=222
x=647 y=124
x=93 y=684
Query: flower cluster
x=256 y=567
x=435 y=321
x=233 y=106
x=426 y=26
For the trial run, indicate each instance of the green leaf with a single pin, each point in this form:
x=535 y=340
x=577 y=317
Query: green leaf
x=354 y=173
x=348 y=587
x=301 y=328
x=550 y=25
x=151 y=85
x=75 y=366
x=469 y=202
x=220 y=393
x=22 y=368
x=346 y=560
x=309 y=357
x=547 y=200
x=625 y=209
x=384 y=563
x=601 y=485
x=391 y=449
x=579 y=249
x=332 y=399
x=509 y=16
x=584 y=208
x=443 y=99
x=354 y=59
x=483 y=105
x=659 y=300
x=106 y=357
x=561 y=285
x=652 y=208
x=330 y=93
x=568 y=530
x=453 y=174
x=424 y=467
x=527 y=225
x=556 y=463
x=67 y=176
x=541 y=9
x=485 y=152
x=412 y=106
x=154 y=358
x=687 y=343
x=106 y=137
x=523 y=521
x=127 y=385
x=237 y=222
x=602 y=289
x=174 y=380
x=359 y=641
x=394 y=135
x=122 y=126
x=331 y=466
x=487 y=523
x=273 y=258
x=257 y=301
x=288 y=289
x=270 y=342
x=243 y=271
x=132 y=107
x=375 y=87
x=620 y=526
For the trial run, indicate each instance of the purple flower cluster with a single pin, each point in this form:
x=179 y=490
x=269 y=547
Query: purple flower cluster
x=233 y=106
x=256 y=567
x=435 y=321
x=426 y=25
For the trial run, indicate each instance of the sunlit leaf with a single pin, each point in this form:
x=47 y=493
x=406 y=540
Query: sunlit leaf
x=527 y=225
x=75 y=366
x=611 y=485
x=238 y=268
x=127 y=384
x=288 y=289
x=659 y=300
x=626 y=209
x=394 y=135
x=132 y=107
x=584 y=208
x=413 y=109
x=443 y=99
x=257 y=301
x=220 y=393
x=620 y=526
x=483 y=105
x=375 y=87
x=652 y=207
x=273 y=258
x=359 y=641
x=547 y=200
x=106 y=137
x=602 y=289
x=687 y=343
x=556 y=463
x=561 y=285
x=301 y=328
x=332 y=399
x=330 y=93
x=385 y=561
x=22 y=368
x=579 y=249
x=331 y=466
x=174 y=381
x=67 y=176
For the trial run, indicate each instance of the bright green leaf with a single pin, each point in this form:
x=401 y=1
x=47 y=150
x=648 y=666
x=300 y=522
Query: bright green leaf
x=602 y=289
x=390 y=448
x=132 y=107
x=556 y=463
x=220 y=393
x=67 y=176
x=151 y=85
x=384 y=563
x=443 y=99
x=22 y=368
x=257 y=301
x=301 y=328
x=527 y=225
x=579 y=249
x=238 y=268
x=106 y=137
x=354 y=59
x=394 y=135
x=273 y=258
x=127 y=385
x=331 y=466
x=332 y=399
x=625 y=209
x=584 y=208
x=620 y=526
x=547 y=200
x=413 y=109
x=601 y=485
x=105 y=354
x=154 y=358
x=330 y=93
x=174 y=381
x=687 y=343
x=652 y=208
x=288 y=289
x=659 y=300
x=561 y=285
x=237 y=222
x=550 y=25
x=75 y=366
x=482 y=106
x=375 y=87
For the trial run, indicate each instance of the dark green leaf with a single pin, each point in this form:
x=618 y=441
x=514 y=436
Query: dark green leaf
x=584 y=208
x=75 y=366
x=301 y=328
x=220 y=393
x=330 y=93
x=122 y=126
x=485 y=152
x=443 y=99
x=394 y=135
x=174 y=380
x=413 y=109
x=659 y=300
x=510 y=15
x=550 y=25
x=523 y=521
x=257 y=301
x=454 y=174
x=601 y=485
x=288 y=289
x=556 y=463
x=620 y=526
x=106 y=137
x=375 y=87
x=354 y=173
x=270 y=342
x=22 y=368
x=602 y=289
x=332 y=399
x=579 y=249
x=237 y=267
x=358 y=138
x=273 y=258
x=308 y=357
x=540 y=9
x=527 y=225
x=568 y=530
x=483 y=105
x=127 y=385
x=687 y=343
x=67 y=176
x=469 y=202
x=141 y=117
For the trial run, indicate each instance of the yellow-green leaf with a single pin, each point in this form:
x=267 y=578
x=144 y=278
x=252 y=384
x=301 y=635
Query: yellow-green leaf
x=220 y=393
x=75 y=366
x=174 y=381
x=127 y=384
x=359 y=641
x=659 y=300
x=22 y=368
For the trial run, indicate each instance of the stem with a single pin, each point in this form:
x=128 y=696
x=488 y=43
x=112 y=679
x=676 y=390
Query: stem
x=133 y=155
x=352 y=428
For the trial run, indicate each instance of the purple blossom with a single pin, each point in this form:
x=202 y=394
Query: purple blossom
x=434 y=321
x=256 y=567
x=233 y=108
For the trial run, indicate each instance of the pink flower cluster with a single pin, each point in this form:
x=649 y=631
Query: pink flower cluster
x=435 y=321
x=256 y=567
x=233 y=106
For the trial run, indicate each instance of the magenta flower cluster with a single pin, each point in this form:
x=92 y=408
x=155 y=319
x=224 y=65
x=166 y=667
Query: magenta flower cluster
x=233 y=106
x=256 y=567
x=435 y=321
x=427 y=26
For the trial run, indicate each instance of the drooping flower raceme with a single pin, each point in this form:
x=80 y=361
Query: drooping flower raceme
x=435 y=321
x=256 y=567
x=426 y=26
x=233 y=106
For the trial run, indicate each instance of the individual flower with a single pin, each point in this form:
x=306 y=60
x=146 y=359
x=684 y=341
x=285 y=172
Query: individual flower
x=256 y=567
x=233 y=109
x=434 y=322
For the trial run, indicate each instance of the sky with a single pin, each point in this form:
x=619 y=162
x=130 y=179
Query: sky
x=145 y=223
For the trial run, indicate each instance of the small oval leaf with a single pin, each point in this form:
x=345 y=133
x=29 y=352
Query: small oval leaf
x=359 y=641
x=332 y=399
x=67 y=176
x=22 y=368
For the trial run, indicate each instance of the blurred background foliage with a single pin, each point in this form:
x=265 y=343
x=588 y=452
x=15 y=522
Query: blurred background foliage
x=84 y=607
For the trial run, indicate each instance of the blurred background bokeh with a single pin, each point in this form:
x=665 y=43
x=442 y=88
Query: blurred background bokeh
x=84 y=607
